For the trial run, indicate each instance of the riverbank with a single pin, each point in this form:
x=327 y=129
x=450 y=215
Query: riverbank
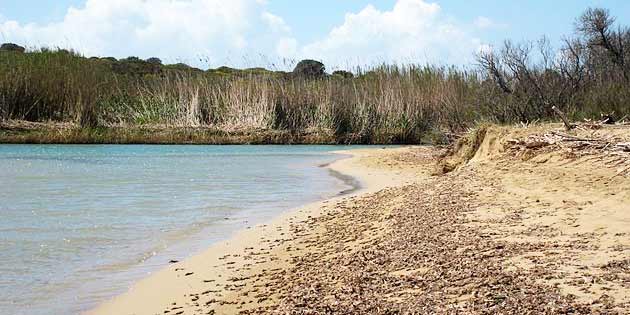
x=514 y=220
x=24 y=132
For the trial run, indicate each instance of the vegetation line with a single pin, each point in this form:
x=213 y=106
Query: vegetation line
x=104 y=100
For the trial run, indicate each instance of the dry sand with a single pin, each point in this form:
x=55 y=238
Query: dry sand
x=513 y=229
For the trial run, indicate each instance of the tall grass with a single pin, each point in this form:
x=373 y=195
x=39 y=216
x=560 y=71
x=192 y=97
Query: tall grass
x=388 y=104
x=381 y=104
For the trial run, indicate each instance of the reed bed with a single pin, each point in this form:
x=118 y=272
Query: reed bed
x=383 y=105
x=380 y=104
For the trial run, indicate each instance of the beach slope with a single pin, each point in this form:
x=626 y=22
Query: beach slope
x=510 y=220
x=190 y=285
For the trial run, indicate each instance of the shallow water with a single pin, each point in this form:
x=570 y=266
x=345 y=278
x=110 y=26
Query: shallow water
x=78 y=224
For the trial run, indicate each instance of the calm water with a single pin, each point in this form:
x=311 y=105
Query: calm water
x=78 y=224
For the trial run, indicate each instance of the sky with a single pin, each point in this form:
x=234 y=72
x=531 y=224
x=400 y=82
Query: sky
x=276 y=33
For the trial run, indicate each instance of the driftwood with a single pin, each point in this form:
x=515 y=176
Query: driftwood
x=574 y=138
x=564 y=118
x=610 y=151
x=624 y=146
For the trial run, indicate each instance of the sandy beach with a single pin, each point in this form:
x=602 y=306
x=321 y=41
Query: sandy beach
x=513 y=221
x=249 y=252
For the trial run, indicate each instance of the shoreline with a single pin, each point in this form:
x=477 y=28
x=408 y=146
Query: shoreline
x=24 y=132
x=509 y=220
x=174 y=283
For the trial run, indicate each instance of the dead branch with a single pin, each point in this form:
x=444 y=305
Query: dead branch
x=564 y=118
x=625 y=147
x=574 y=138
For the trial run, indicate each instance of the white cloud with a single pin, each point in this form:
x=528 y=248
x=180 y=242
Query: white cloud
x=275 y=22
x=483 y=22
x=171 y=29
x=413 y=31
x=244 y=33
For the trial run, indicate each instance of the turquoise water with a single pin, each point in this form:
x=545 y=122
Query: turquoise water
x=79 y=224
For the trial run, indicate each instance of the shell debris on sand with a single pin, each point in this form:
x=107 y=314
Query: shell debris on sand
x=501 y=234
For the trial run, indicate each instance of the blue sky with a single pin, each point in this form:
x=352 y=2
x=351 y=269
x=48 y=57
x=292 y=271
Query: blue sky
x=523 y=19
x=263 y=32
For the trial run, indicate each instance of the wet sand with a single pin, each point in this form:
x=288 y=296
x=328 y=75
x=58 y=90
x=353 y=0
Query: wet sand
x=512 y=230
x=209 y=274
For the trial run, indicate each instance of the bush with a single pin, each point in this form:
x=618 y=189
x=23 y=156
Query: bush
x=343 y=74
x=154 y=61
x=310 y=69
x=12 y=48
